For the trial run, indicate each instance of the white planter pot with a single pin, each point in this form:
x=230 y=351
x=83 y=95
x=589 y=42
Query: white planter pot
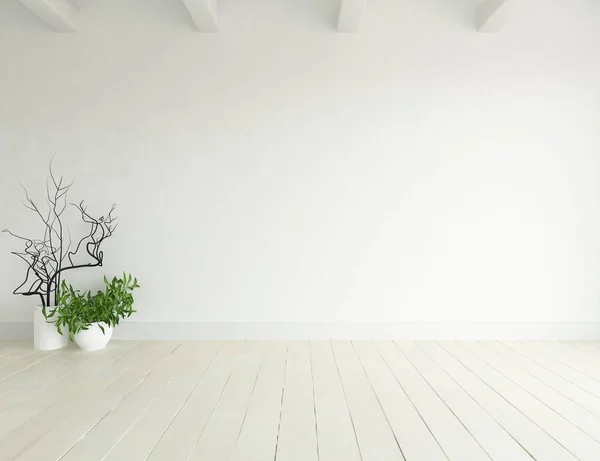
x=45 y=335
x=93 y=339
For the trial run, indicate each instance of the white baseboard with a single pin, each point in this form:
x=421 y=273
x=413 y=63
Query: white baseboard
x=337 y=330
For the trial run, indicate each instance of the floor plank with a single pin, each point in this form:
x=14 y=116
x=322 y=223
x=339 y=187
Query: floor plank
x=14 y=355
x=567 y=434
x=491 y=436
x=33 y=373
x=556 y=381
x=591 y=347
x=588 y=350
x=258 y=437
x=182 y=435
x=9 y=346
x=137 y=442
x=115 y=424
x=574 y=376
x=337 y=439
x=528 y=434
x=141 y=380
x=21 y=386
x=21 y=363
x=585 y=363
x=302 y=401
x=376 y=439
x=297 y=432
x=220 y=437
x=28 y=405
x=565 y=407
x=408 y=425
x=456 y=441
x=51 y=413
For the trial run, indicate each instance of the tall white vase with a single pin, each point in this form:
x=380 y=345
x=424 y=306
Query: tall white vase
x=45 y=335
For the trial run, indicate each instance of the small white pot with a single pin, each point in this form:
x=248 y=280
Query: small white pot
x=45 y=335
x=93 y=339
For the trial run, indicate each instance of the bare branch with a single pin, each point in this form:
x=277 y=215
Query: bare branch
x=46 y=258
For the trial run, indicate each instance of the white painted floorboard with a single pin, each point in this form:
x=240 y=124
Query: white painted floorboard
x=456 y=441
x=302 y=401
x=337 y=439
x=376 y=439
x=491 y=436
x=297 y=438
x=259 y=433
x=407 y=423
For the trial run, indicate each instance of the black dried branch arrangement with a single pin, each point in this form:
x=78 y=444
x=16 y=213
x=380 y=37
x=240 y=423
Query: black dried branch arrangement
x=51 y=256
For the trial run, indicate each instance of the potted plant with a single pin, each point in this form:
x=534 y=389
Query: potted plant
x=49 y=257
x=90 y=319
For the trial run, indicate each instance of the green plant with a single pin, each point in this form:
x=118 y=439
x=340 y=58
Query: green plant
x=78 y=311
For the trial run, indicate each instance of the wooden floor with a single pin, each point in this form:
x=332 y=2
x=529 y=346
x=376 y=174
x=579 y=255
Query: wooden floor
x=302 y=401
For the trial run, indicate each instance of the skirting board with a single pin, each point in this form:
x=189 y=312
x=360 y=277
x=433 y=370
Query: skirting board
x=333 y=330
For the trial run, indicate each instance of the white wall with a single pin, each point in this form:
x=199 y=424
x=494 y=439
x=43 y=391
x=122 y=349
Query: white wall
x=278 y=171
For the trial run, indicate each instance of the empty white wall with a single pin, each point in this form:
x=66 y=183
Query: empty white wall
x=414 y=172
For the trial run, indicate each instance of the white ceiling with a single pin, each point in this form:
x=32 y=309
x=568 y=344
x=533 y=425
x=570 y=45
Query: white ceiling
x=106 y=15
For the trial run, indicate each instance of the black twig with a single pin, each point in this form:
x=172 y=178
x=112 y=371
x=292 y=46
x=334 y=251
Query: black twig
x=48 y=258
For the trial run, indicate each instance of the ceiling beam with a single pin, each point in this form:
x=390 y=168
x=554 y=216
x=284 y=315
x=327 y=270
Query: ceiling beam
x=494 y=15
x=60 y=15
x=204 y=14
x=350 y=13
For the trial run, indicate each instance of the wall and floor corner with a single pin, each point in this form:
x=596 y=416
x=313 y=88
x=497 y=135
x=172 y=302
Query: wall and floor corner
x=278 y=179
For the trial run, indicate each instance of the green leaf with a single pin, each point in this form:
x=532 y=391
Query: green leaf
x=77 y=310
